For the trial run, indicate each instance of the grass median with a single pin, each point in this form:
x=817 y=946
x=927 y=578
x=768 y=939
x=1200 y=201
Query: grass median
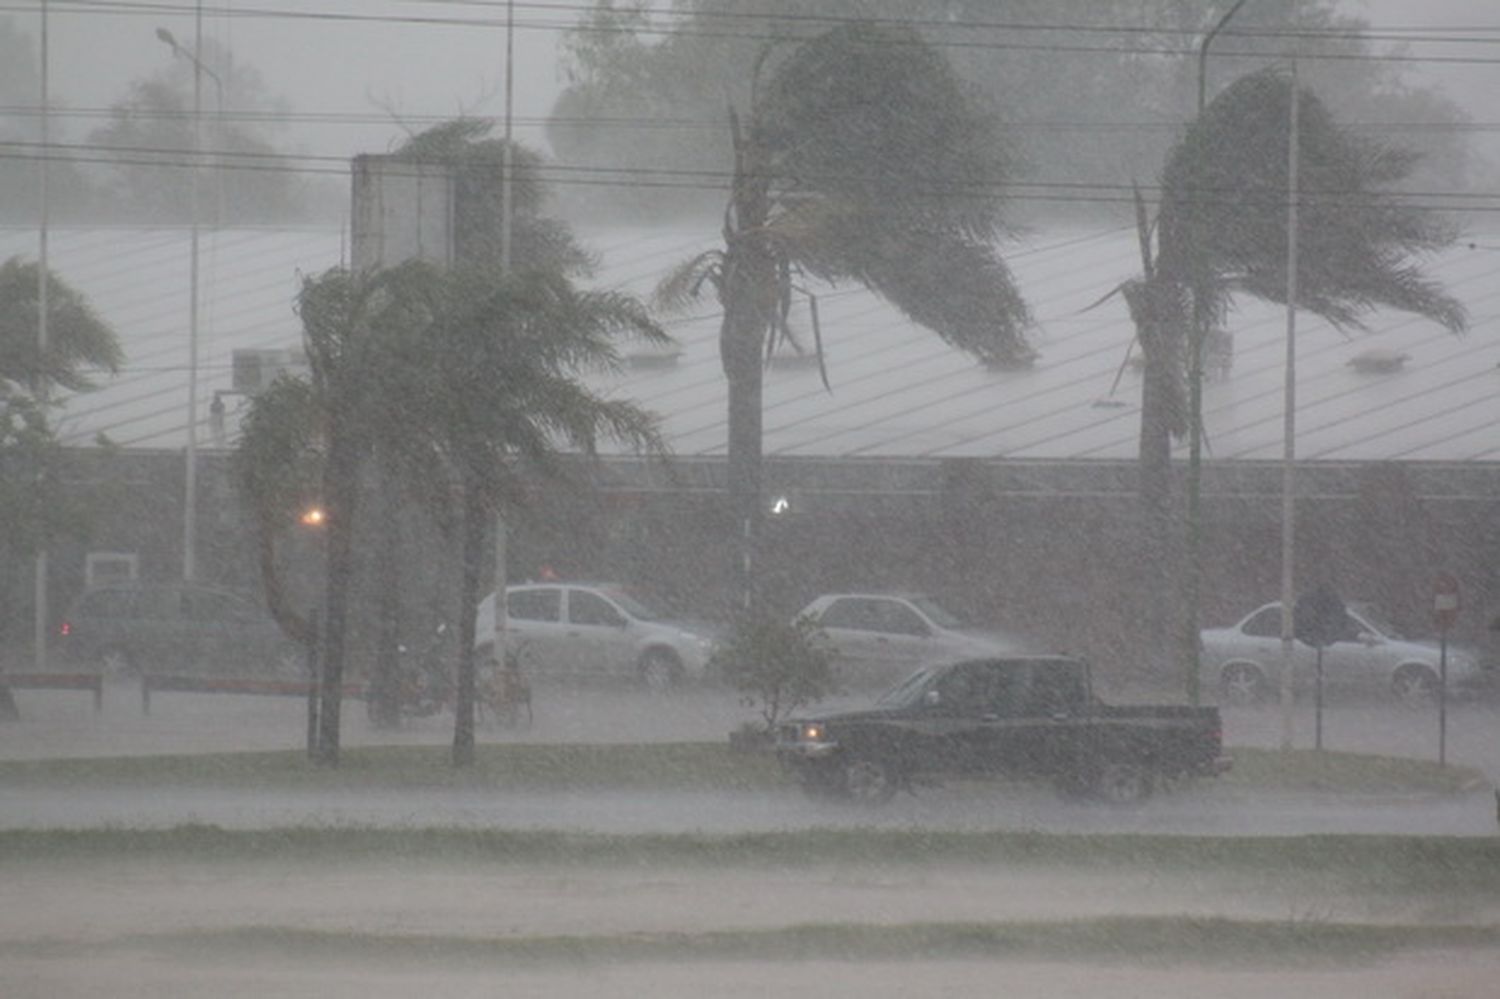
x=651 y=766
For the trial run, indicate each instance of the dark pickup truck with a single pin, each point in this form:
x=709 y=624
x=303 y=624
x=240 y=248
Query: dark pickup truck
x=1025 y=717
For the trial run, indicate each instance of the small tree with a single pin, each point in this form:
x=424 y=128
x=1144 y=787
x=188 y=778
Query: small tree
x=778 y=666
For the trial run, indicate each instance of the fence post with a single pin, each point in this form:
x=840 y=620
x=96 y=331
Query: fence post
x=98 y=693
x=145 y=693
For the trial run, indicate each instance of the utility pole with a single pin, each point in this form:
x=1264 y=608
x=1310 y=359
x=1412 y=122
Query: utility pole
x=41 y=621
x=1289 y=427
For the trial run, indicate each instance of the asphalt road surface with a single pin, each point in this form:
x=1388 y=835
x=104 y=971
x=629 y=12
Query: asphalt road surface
x=63 y=723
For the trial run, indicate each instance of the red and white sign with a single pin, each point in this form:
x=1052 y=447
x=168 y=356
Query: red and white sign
x=1445 y=599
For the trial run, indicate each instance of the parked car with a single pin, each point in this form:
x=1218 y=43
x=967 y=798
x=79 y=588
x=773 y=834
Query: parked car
x=879 y=638
x=581 y=630
x=132 y=628
x=1018 y=717
x=1368 y=655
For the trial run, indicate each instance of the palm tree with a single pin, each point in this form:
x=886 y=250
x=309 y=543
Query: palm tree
x=861 y=158
x=491 y=391
x=34 y=504
x=77 y=339
x=1222 y=231
x=468 y=381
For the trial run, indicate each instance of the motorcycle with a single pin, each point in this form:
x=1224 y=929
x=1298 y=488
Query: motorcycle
x=504 y=690
x=423 y=684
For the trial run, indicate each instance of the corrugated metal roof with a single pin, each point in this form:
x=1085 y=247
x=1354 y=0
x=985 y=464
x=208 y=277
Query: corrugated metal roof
x=897 y=391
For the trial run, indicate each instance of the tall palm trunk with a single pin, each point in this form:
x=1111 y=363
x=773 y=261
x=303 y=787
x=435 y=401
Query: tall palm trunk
x=385 y=684
x=1154 y=306
x=474 y=524
x=341 y=491
x=748 y=295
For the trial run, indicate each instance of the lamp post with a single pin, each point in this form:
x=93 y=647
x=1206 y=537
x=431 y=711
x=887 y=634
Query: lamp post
x=190 y=493
x=40 y=616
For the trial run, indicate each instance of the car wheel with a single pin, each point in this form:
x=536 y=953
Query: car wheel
x=1242 y=684
x=1415 y=686
x=659 y=670
x=1122 y=784
x=116 y=662
x=869 y=781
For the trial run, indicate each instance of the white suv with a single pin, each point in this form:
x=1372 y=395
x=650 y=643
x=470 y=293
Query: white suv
x=879 y=638
x=574 y=630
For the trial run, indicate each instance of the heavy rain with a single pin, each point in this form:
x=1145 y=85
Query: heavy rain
x=723 y=497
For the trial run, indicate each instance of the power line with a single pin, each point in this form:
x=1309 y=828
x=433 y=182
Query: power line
x=251 y=116
x=708 y=179
x=125 y=8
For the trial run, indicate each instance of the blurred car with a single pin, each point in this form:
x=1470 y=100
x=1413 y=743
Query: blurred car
x=1368 y=655
x=879 y=638
x=581 y=630
x=131 y=628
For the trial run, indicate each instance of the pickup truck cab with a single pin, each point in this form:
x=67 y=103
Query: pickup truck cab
x=1017 y=717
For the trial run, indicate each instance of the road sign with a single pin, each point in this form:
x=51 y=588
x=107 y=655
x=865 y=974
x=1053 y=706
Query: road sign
x=1445 y=599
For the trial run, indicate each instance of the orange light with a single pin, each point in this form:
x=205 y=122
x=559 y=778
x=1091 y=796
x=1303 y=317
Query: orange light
x=314 y=516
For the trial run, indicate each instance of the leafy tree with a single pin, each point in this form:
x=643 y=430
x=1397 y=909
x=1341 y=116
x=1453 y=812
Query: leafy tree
x=644 y=87
x=278 y=464
x=35 y=505
x=77 y=339
x=150 y=138
x=69 y=194
x=1222 y=231
x=861 y=157
x=777 y=665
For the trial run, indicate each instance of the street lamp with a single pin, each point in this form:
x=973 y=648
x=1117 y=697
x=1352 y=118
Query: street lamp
x=190 y=494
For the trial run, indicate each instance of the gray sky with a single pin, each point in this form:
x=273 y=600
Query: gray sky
x=440 y=57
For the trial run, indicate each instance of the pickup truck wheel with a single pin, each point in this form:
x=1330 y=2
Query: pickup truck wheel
x=1415 y=686
x=869 y=781
x=1242 y=684
x=1122 y=783
x=820 y=781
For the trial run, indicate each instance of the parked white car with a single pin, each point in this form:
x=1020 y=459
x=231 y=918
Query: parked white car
x=1368 y=655
x=880 y=638
x=581 y=630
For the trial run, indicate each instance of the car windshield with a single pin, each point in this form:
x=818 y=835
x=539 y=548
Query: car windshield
x=1373 y=617
x=936 y=613
x=637 y=609
x=907 y=690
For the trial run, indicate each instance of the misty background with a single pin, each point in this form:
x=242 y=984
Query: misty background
x=293 y=93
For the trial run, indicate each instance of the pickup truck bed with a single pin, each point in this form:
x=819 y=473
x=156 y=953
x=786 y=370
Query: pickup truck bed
x=1023 y=717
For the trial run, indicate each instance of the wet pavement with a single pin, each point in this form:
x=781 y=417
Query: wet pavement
x=63 y=723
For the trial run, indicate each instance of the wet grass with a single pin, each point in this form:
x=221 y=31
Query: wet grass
x=651 y=766
x=1145 y=940
x=1452 y=868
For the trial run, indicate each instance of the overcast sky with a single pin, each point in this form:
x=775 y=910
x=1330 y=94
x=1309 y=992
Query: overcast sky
x=441 y=57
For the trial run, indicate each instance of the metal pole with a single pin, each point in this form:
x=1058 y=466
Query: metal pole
x=1318 y=703
x=1289 y=427
x=41 y=612
x=505 y=212
x=190 y=493
x=1443 y=699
